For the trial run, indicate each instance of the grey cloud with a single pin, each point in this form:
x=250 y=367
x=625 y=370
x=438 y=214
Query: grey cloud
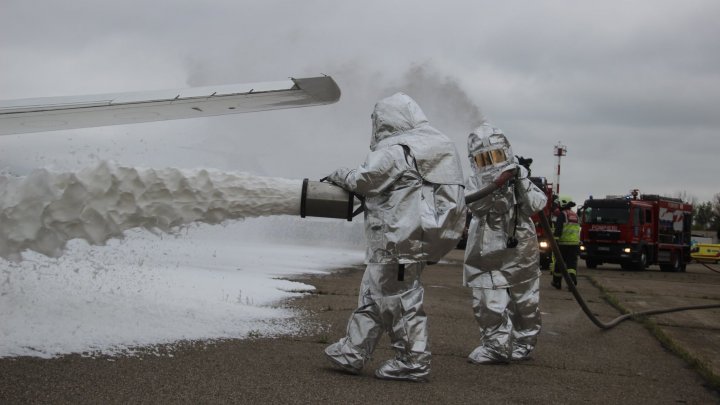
x=629 y=87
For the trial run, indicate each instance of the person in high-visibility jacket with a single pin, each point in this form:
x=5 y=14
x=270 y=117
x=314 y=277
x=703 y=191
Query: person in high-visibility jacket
x=567 y=235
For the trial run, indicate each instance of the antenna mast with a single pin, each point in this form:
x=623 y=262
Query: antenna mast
x=560 y=151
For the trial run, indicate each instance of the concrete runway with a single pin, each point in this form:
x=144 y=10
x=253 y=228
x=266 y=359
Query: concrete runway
x=575 y=362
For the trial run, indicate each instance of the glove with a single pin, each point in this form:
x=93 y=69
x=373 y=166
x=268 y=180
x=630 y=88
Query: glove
x=338 y=176
x=503 y=178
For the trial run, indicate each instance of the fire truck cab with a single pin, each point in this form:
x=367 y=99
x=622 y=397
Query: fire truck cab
x=636 y=232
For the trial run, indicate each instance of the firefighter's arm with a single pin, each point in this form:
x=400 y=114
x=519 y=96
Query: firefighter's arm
x=481 y=206
x=529 y=196
x=559 y=224
x=380 y=169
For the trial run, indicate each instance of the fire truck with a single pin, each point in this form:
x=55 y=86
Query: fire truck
x=636 y=232
x=545 y=251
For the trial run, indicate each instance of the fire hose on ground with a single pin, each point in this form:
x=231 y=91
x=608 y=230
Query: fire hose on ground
x=560 y=263
x=707 y=266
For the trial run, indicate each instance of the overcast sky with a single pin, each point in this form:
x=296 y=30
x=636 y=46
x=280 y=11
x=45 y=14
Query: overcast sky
x=631 y=88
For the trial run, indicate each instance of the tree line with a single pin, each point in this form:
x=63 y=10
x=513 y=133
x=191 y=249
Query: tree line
x=706 y=215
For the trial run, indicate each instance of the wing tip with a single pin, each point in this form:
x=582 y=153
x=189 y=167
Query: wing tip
x=321 y=88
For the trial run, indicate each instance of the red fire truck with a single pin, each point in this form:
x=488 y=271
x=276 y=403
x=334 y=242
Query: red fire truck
x=636 y=232
x=545 y=251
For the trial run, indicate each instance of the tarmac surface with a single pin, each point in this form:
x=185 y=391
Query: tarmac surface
x=574 y=362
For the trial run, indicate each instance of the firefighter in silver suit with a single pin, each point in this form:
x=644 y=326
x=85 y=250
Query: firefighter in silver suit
x=501 y=257
x=412 y=184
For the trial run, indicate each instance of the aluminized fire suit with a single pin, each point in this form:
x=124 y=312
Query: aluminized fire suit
x=414 y=213
x=501 y=257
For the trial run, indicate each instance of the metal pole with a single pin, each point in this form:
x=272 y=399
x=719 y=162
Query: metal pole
x=560 y=151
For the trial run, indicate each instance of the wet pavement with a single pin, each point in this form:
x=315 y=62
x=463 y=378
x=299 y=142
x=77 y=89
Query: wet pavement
x=575 y=362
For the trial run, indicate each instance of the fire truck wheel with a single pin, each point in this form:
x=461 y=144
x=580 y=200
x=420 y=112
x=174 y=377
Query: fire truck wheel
x=591 y=264
x=642 y=262
x=677 y=265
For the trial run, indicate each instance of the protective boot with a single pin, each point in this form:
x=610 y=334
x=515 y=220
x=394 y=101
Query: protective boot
x=483 y=355
x=345 y=356
x=556 y=275
x=521 y=353
x=573 y=275
x=403 y=369
x=408 y=333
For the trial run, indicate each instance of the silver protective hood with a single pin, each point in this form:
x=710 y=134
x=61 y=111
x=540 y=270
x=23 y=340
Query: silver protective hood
x=488 y=138
x=398 y=120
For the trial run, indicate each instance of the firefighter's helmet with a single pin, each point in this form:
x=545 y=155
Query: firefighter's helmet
x=566 y=201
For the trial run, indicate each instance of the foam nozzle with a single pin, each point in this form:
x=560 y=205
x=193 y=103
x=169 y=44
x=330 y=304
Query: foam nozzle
x=327 y=200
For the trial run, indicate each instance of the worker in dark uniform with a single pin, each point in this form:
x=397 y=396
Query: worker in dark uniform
x=567 y=236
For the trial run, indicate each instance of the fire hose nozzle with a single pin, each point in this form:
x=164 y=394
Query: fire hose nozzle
x=326 y=200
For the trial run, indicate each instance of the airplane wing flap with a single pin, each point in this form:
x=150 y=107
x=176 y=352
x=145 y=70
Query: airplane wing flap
x=38 y=115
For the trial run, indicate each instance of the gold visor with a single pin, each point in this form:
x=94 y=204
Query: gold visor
x=491 y=157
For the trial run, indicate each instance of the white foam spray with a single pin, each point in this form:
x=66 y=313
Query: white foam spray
x=45 y=210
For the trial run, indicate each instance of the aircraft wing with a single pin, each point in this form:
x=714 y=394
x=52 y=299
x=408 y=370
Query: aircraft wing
x=56 y=113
